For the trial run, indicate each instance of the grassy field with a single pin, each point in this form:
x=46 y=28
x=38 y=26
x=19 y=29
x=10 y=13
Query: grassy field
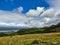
x=32 y=39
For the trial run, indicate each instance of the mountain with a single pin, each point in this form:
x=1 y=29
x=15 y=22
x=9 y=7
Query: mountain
x=53 y=28
x=11 y=28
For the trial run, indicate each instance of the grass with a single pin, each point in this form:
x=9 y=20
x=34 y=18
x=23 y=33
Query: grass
x=32 y=39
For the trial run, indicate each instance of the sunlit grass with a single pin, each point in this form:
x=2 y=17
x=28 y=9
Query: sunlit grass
x=44 y=39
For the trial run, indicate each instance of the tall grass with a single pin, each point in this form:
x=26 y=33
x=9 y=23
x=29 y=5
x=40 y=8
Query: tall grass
x=32 y=39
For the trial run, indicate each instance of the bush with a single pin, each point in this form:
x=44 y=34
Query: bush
x=35 y=42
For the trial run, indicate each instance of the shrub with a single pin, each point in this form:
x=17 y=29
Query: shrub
x=35 y=42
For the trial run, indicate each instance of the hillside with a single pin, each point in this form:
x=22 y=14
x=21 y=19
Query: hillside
x=32 y=39
x=53 y=28
x=32 y=36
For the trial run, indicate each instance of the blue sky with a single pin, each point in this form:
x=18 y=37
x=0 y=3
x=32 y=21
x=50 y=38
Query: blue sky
x=26 y=4
x=29 y=13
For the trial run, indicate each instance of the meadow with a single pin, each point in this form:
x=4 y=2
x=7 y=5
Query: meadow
x=32 y=39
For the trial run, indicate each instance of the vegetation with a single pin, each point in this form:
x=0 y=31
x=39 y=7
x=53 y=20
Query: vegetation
x=53 y=28
x=35 y=42
x=32 y=39
x=34 y=36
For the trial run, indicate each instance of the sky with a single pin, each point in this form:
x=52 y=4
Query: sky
x=26 y=4
x=29 y=13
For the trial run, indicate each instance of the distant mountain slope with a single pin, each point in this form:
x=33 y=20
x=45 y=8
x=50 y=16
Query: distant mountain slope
x=53 y=28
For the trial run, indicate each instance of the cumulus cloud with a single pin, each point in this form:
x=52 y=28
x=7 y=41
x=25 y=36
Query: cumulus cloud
x=13 y=18
x=48 y=13
x=12 y=24
x=38 y=17
x=33 y=12
x=46 y=18
x=18 y=10
x=56 y=5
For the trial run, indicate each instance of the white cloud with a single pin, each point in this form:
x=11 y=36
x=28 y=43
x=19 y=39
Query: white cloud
x=12 y=24
x=38 y=17
x=48 y=13
x=54 y=3
x=8 y=19
x=18 y=10
x=33 y=12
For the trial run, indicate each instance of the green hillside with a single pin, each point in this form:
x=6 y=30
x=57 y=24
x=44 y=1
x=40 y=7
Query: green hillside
x=53 y=28
x=32 y=36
